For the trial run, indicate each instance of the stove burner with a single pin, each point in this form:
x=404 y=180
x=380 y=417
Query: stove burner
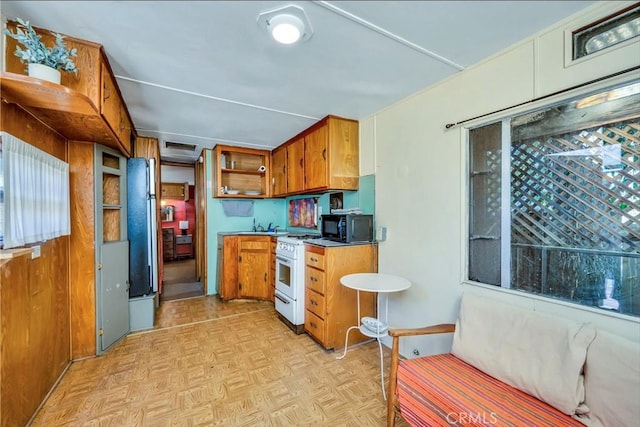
x=301 y=236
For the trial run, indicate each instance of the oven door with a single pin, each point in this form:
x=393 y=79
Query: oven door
x=285 y=276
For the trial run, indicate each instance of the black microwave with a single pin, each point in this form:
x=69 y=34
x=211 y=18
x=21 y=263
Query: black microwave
x=347 y=228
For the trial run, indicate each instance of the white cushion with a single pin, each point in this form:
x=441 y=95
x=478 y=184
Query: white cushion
x=539 y=354
x=612 y=382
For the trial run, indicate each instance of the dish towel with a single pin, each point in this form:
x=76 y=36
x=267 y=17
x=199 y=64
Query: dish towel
x=237 y=207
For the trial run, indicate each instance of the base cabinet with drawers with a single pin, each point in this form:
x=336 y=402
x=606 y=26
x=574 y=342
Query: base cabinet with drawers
x=184 y=246
x=168 y=246
x=330 y=307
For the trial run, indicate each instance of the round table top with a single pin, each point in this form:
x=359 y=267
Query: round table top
x=375 y=282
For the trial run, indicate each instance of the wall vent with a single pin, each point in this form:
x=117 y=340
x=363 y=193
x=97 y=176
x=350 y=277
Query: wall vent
x=180 y=146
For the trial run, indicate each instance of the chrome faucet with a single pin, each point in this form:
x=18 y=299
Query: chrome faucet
x=254 y=229
x=270 y=227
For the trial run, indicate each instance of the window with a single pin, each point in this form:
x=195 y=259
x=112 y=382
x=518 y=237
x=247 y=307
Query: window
x=35 y=194
x=554 y=201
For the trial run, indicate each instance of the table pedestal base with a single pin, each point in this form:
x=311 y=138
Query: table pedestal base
x=346 y=340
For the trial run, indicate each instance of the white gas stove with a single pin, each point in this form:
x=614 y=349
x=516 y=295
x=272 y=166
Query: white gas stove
x=289 y=297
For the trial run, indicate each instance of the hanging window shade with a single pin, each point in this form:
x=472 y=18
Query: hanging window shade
x=36 y=194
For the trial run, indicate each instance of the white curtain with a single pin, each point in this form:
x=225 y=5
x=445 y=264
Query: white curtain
x=36 y=194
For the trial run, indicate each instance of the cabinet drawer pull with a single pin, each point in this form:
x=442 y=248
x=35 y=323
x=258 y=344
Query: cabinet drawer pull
x=313 y=302
x=314 y=259
x=313 y=325
x=313 y=279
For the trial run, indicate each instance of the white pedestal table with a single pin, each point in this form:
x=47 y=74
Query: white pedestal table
x=373 y=327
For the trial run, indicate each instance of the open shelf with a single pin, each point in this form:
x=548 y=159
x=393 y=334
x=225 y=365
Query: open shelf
x=242 y=171
x=65 y=110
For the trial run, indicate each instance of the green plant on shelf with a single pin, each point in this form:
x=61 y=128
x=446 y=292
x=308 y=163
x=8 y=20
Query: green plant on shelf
x=58 y=56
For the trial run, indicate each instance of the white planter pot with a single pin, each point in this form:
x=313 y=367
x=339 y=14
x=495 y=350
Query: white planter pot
x=44 y=72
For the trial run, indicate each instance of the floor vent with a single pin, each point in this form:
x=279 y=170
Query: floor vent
x=180 y=146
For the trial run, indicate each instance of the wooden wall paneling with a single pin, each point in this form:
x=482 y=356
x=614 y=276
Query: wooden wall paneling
x=34 y=300
x=201 y=222
x=82 y=258
x=17 y=122
x=35 y=322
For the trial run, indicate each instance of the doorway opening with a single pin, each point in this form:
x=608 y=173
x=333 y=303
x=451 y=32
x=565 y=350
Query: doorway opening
x=180 y=279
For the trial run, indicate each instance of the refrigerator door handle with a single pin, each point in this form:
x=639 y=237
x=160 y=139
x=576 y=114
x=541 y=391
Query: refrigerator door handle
x=152 y=177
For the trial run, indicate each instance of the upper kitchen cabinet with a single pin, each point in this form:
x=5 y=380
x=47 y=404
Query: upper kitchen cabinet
x=322 y=158
x=279 y=172
x=84 y=107
x=241 y=172
x=287 y=175
x=175 y=190
x=331 y=155
x=295 y=166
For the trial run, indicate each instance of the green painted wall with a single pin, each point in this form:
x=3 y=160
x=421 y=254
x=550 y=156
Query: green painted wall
x=266 y=211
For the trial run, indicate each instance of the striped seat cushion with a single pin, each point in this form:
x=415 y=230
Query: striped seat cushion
x=443 y=390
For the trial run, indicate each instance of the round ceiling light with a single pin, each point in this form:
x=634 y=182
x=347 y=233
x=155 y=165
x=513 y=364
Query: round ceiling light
x=287 y=25
x=286 y=29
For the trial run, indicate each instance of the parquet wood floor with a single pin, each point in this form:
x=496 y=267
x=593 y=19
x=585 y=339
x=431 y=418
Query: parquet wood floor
x=220 y=364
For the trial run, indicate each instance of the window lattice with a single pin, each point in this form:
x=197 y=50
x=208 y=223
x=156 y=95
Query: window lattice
x=578 y=200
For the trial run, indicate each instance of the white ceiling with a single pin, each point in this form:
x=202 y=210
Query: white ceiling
x=204 y=73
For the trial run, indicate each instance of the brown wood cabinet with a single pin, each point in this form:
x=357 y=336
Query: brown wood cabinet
x=184 y=246
x=168 y=244
x=246 y=267
x=288 y=168
x=279 y=172
x=84 y=107
x=321 y=158
x=272 y=270
x=241 y=172
x=228 y=268
x=330 y=307
x=173 y=190
x=296 y=166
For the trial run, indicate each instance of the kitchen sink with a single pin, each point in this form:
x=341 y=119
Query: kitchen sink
x=262 y=233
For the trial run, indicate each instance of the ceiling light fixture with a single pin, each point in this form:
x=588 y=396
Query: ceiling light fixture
x=287 y=25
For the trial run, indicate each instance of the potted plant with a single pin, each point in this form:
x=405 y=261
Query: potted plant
x=43 y=62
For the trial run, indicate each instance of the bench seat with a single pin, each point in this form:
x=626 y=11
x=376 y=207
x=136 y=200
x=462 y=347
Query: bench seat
x=442 y=390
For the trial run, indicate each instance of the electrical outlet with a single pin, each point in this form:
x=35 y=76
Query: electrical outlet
x=36 y=252
x=381 y=234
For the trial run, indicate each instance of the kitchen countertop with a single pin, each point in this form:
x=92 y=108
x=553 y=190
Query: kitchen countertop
x=326 y=243
x=253 y=233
